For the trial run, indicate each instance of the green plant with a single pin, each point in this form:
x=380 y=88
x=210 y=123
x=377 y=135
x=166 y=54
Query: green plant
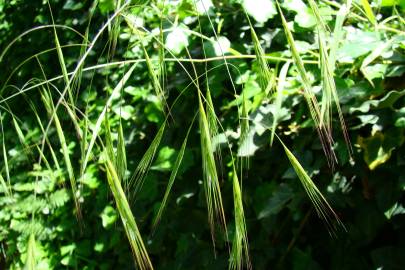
x=138 y=100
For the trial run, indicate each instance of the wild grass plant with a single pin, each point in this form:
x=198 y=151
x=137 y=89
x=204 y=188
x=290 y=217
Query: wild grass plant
x=85 y=114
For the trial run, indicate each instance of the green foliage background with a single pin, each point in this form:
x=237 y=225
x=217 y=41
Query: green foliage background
x=284 y=232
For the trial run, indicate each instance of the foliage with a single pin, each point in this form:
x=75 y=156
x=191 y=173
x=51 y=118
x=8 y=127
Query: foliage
x=202 y=134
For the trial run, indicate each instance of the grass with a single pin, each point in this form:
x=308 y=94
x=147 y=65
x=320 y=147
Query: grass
x=30 y=263
x=172 y=178
x=48 y=102
x=101 y=117
x=240 y=244
x=138 y=177
x=322 y=207
x=6 y=185
x=134 y=237
x=92 y=144
x=212 y=188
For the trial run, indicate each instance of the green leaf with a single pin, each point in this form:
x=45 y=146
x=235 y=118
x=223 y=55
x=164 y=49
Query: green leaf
x=368 y=10
x=251 y=89
x=106 y=6
x=126 y=112
x=374 y=71
x=177 y=39
x=165 y=159
x=386 y=102
x=221 y=45
x=153 y=112
x=303 y=260
x=72 y=5
x=203 y=6
x=248 y=146
x=89 y=179
x=305 y=17
x=279 y=99
x=400 y=118
x=58 y=198
x=378 y=147
x=321 y=205
x=367 y=119
x=357 y=43
x=260 y=10
x=389 y=3
x=30 y=263
x=396 y=209
x=277 y=201
x=108 y=216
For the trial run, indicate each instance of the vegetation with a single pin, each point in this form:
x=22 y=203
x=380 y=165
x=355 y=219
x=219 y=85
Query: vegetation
x=202 y=134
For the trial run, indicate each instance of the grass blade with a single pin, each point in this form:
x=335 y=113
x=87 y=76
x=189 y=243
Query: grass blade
x=309 y=95
x=338 y=33
x=46 y=97
x=7 y=186
x=267 y=79
x=128 y=220
x=21 y=138
x=154 y=76
x=109 y=146
x=121 y=161
x=138 y=177
x=155 y=80
x=322 y=207
x=211 y=183
x=30 y=262
x=173 y=175
x=63 y=67
x=324 y=135
x=328 y=82
x=211 y=115
x=369 y=12
x=100 y=119
x=52 y=152
x=279 y=98
x=240 y=246
x=68 y=87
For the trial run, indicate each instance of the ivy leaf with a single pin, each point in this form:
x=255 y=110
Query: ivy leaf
x=400 y=118
x=248 y=146
x=108 y=216
x=250 y=90
x=72 y=5
x=203 y=6
x=378 y=147
x=165 y=159
x=367 y=119
x=277 y=201
x=260 y=10
x=221 y=46
x=374 y=71
x=177 y=39
x=305 y=17
x=386 y=102
x=357 y=43
x=126 y=112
